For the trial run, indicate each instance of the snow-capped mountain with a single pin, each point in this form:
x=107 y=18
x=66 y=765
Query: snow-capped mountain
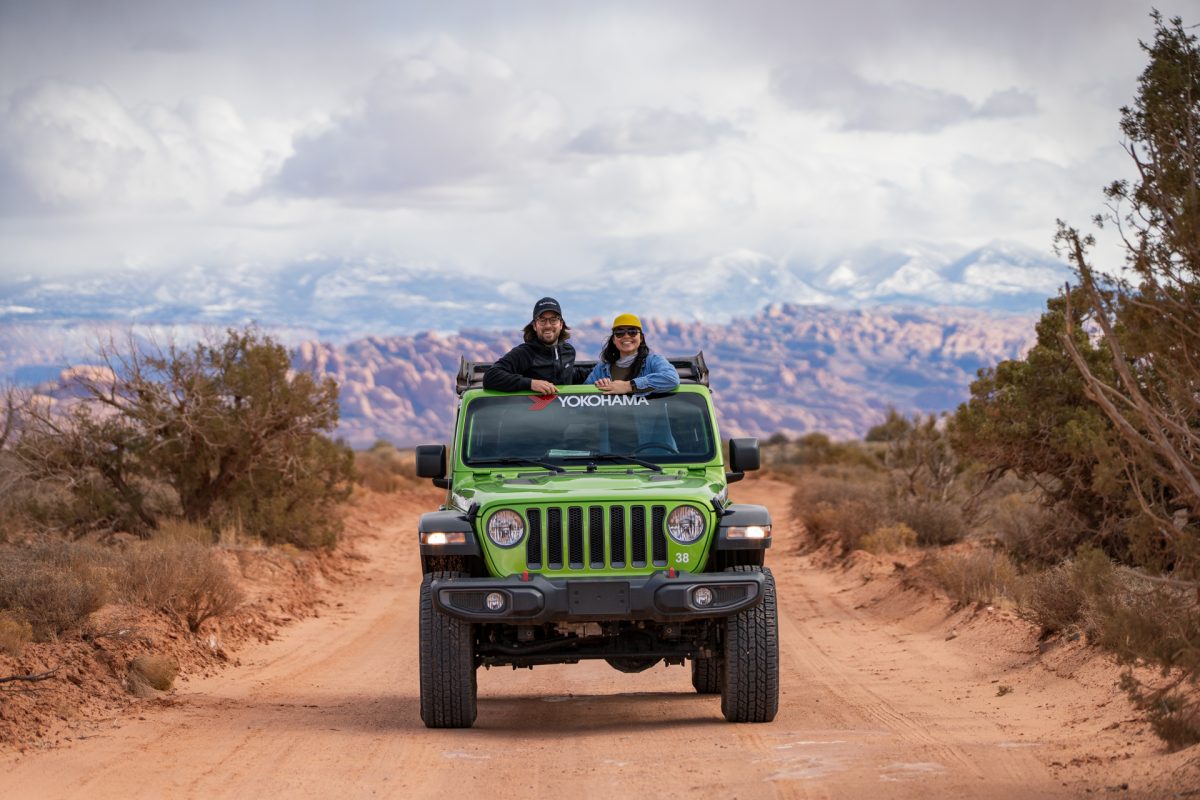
x=999 y=276
x=342 y=301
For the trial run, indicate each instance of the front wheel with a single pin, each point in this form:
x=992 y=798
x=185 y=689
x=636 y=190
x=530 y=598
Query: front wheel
x=447 y=651
x=750 y=687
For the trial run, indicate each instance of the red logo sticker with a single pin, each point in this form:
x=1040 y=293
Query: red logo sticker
x=541 y=401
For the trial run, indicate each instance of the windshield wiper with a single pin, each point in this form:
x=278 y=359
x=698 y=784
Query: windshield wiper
x=623 y=457
x=515 y=460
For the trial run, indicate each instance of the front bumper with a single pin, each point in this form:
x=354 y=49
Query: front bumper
x=659 y=597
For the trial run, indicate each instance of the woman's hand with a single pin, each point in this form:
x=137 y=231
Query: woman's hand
x=609 y=386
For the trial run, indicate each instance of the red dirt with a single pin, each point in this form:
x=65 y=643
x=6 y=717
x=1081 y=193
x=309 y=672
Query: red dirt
x=886 y=692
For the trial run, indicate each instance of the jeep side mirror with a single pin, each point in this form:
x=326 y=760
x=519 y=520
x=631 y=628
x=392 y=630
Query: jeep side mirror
x=431 y=463
x=743 y=458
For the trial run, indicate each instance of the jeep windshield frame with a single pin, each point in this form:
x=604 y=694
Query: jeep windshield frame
x=578 y=429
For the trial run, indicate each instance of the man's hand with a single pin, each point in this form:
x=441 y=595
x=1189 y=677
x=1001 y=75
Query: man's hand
x=543 y=387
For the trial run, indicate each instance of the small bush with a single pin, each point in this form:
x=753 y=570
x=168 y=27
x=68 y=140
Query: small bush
x=889 y=539
x=976 y=577
x=848 y=504
x=14 y=634
x=1140 y=619
x=936 y=523
x=1052 y=599
x=54 y=587
x=1033 y=532
x=384 y=469
x=153 y=672
x=185 y=580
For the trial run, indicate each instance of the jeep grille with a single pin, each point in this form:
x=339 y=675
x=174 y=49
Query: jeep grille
x=582 y=532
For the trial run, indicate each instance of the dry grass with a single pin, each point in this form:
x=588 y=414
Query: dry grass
x=149 y=671
x=980 y=576
x=851 y=504
x=53 y=587
x=185 y=580
x=846 y=504
x=181 y=532
x=383 y=468
x=889 y=539
x=14 y=634
x=1051 y=598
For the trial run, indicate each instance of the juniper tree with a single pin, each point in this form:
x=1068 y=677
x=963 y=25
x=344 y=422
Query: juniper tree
x=228 y=426
x=1149 y=322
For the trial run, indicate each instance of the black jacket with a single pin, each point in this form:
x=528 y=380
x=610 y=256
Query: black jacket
x=519 y=367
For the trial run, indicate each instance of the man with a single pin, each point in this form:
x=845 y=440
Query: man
x=544 y=361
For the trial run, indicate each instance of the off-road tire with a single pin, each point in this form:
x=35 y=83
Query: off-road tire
x=447 y=652
x=750 y=685
x=706 y=675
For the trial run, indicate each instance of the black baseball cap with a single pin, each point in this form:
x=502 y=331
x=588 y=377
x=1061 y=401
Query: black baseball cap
x=544 y=305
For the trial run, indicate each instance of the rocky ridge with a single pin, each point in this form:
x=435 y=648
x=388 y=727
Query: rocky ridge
x=790 y=369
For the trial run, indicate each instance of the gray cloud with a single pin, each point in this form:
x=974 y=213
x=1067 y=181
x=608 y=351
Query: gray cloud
x=1008 y=103
x=866 y=106
x=651 y=131
x=443 y=116
x=898 y=107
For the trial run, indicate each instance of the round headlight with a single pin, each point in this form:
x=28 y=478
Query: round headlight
x=506 y=528
x=685 y=524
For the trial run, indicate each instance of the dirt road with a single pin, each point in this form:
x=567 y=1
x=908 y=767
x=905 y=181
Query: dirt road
x=869 y=708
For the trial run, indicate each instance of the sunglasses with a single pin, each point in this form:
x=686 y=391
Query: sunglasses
x=623 y=332
x=547 y=320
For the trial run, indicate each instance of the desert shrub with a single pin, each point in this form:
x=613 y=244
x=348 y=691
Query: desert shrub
x=848 y=504
x=894 y=428
x=935 y=522
x=979 y=576
x=53 y=587
x=221 y=430
x=889 y=539
x=383 y=468
x=1150 y=619
x=149 y=671
x=816 y=450
x=1033 y=532
x=15 y=633
x=185 y=580
x=1051 y=598
x=1144 y=619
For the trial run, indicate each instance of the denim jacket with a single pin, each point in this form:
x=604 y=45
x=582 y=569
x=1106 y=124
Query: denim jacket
x=657 y=375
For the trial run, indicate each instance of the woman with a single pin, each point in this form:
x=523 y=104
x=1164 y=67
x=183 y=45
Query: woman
x=626 y=364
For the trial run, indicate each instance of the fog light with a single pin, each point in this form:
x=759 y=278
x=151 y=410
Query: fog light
x=703 y=597
x=495 y=601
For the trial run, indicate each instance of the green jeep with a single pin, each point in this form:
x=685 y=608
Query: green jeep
x=592 y=526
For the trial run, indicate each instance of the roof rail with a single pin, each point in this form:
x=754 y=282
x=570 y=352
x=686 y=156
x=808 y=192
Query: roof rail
x=692 y=369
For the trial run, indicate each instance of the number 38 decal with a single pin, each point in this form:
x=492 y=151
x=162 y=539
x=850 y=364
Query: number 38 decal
x=682 y=558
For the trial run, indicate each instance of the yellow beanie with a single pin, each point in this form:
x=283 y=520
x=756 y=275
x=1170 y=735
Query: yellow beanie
x=627 y=321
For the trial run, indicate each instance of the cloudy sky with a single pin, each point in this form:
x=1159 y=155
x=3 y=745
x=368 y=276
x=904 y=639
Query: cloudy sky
x=548 y=138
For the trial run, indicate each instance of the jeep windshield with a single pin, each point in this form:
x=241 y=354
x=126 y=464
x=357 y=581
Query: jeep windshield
x=673 y=428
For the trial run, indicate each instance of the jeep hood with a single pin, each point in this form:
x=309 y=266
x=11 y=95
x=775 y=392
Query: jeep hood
x=580 y=488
